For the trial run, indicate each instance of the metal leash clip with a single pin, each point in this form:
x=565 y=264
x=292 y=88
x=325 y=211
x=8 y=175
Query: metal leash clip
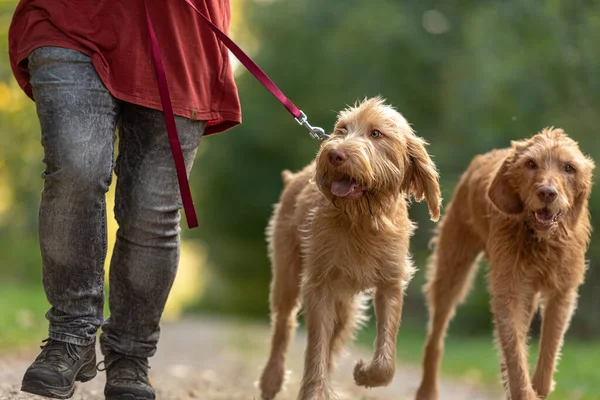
x=314 y=131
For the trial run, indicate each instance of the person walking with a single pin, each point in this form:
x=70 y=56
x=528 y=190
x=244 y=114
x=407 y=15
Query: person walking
x=88 y=66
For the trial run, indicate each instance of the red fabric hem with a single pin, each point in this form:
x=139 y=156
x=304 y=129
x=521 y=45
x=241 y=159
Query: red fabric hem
x=218 y=121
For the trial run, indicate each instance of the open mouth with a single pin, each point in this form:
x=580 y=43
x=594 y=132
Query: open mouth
x=544 y=219
x=347 y=188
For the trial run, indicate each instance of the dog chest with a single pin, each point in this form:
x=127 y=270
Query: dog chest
x=352 y=260
x=551 y=264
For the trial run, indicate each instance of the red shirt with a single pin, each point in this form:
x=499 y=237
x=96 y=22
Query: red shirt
x=114 y=33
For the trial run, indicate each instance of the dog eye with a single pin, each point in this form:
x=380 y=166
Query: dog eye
x=569 y=168
x=531 y=164
x=341 y=131
x=375 y=134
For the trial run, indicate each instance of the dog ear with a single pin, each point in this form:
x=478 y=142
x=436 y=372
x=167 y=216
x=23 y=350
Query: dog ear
x=579 y=205
x=502 y=193
x=421 y=176
x=581 y=200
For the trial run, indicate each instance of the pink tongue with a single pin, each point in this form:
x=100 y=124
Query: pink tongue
x=544 y=215
x=342 y=188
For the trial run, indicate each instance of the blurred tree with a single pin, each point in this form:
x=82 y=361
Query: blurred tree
x=470 y=76
x=20 y=183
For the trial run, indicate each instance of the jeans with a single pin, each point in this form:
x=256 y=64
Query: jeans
x=79 y=118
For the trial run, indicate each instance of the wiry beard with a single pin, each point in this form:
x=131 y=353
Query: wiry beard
x=557 y=230
x=380 y=184
x=373 y=203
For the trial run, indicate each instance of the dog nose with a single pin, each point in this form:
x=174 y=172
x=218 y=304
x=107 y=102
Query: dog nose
x=547 y=193
x=336 y=157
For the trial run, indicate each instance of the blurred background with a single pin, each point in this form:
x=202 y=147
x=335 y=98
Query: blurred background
x=469 y=75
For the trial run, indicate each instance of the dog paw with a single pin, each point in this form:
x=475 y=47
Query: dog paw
x=373 y=375
x=271 y=381
x=543 y=391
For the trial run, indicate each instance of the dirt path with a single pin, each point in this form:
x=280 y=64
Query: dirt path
x=216 y=360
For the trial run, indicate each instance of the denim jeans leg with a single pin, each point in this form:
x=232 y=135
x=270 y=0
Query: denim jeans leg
x=78 y=118
x=146 y=252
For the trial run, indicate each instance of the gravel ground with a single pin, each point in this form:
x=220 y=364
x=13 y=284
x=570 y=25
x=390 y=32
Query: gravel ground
x=211 y=359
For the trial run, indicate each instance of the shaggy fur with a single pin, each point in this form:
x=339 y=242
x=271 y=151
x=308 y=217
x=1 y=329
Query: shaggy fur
x=341 y=228
x=526 y=209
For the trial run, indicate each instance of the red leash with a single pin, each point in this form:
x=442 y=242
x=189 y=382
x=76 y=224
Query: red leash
x=165 y=98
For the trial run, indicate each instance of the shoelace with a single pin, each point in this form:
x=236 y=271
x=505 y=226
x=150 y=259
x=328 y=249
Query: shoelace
x=53 y=350
x=140 y=364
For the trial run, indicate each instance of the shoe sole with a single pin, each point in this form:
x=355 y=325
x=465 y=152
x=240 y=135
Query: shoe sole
x=128 y=397
x=41 y=389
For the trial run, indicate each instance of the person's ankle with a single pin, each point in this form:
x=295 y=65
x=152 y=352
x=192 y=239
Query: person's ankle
x=127 y=377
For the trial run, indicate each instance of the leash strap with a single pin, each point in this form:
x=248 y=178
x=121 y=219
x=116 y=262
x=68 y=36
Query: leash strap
x=165 y=99
x=252 y=67
x=184 y=187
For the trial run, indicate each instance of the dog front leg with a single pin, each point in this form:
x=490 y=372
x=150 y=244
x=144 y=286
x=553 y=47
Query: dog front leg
x=557 y=312
x=511 y=303
x=388 y=310
x=320 y=321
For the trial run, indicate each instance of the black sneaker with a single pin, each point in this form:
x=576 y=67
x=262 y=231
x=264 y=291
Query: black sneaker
x=59 y=365
x=127 y=378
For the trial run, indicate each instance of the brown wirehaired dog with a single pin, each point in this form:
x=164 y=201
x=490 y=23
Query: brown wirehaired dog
x=526 y=209
x=342 y=227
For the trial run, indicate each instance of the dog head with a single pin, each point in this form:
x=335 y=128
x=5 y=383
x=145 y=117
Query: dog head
x=545 y=179
x=372 y=157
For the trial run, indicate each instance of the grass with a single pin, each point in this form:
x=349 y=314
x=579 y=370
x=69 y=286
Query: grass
x=474 y=359
x=22 y=320
x=22 y=316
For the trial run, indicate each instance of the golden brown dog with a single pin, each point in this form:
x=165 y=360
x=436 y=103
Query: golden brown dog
x=526 y=209
x=342 y=227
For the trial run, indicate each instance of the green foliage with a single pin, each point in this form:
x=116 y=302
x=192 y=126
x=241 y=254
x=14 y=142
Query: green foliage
x=475 y=360
x=22 y=312
x=20 y=169
x=470 y=76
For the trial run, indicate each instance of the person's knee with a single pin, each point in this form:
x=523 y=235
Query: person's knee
x=149 y=222
x=78 y=173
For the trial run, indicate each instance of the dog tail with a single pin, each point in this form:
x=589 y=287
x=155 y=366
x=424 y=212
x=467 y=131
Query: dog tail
x=286 y=176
